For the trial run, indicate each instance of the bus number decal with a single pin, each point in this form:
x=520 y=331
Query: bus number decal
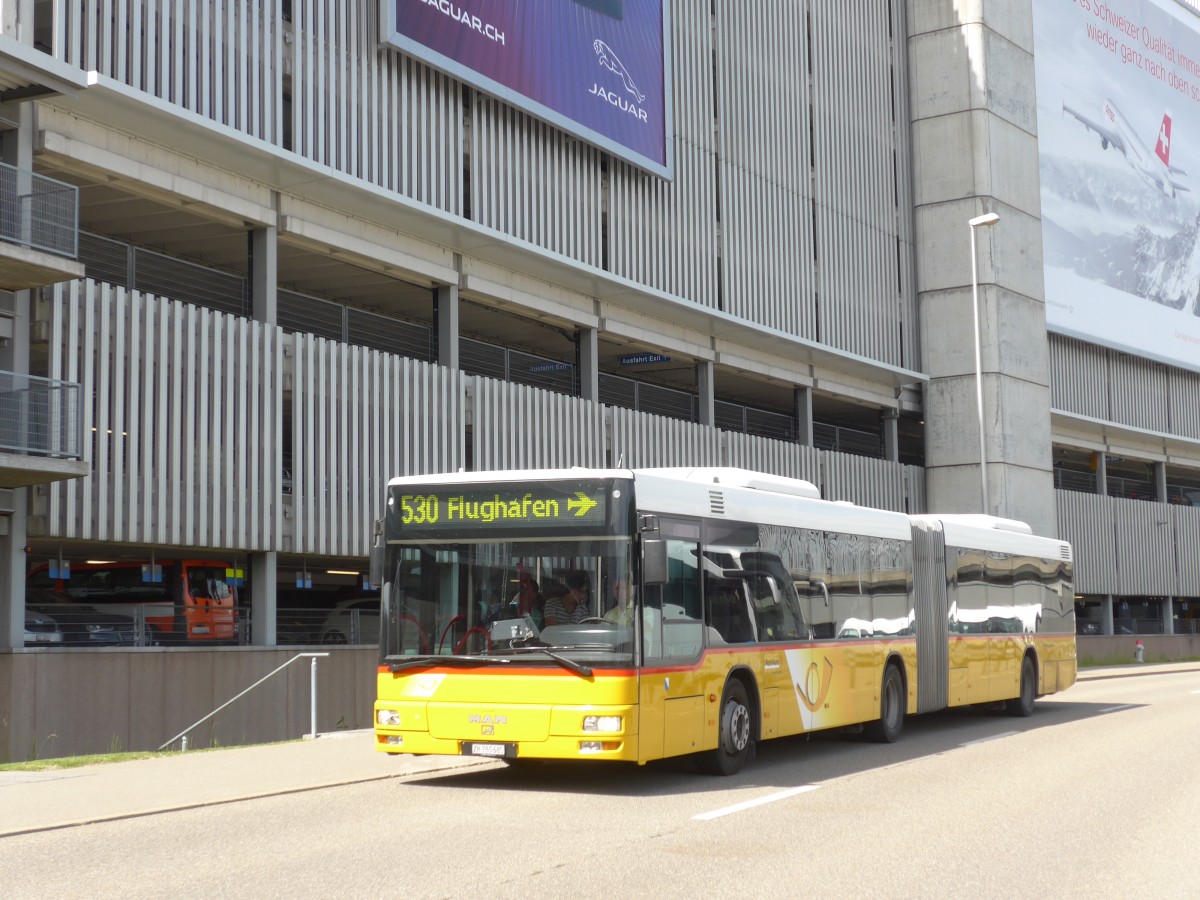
x=419 y=509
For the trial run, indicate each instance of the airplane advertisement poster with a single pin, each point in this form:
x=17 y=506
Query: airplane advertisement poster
x=599 y=69
x=1118 y=94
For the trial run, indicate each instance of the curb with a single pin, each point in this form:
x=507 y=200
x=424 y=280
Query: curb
x=1134 y=670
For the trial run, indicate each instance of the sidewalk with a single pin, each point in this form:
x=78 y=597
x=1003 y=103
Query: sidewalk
x=1124 y=671
x=40 y=801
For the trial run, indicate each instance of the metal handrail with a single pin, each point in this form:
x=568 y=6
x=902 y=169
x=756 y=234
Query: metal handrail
x=313 y=721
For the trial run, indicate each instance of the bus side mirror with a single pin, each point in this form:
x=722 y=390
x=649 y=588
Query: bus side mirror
x=377 y=547
x=654 y=561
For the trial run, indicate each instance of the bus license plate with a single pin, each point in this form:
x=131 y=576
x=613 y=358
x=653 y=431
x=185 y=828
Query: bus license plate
x=496 y=751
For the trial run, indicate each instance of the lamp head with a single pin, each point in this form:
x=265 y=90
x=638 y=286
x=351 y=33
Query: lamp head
x=985 y=219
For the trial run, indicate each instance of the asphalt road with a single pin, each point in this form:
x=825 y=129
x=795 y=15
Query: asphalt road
x=1093 y=796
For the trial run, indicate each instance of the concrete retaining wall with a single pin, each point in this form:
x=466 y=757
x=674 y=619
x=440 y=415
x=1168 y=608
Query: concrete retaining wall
x=67 y=703
x=1101 y=650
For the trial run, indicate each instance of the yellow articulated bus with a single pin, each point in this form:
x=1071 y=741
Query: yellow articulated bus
x=633 y=615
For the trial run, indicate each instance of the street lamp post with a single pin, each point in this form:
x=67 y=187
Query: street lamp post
x=979 y=221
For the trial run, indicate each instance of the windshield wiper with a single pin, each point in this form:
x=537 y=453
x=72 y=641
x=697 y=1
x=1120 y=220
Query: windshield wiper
x=412 y=662
x=577 y=668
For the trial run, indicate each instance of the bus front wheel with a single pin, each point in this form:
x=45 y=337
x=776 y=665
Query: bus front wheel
x=734 y=741
x=886 y=729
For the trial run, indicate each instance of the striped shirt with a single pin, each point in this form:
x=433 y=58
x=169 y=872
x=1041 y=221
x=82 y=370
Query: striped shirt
x=556 y=609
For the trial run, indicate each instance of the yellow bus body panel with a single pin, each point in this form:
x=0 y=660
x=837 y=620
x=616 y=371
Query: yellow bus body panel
x=672 y=711
x=441 y=709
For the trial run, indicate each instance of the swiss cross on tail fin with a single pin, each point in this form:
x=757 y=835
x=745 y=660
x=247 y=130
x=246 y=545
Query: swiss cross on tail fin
x=1163 y=147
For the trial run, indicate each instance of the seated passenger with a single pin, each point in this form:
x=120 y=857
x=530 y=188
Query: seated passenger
x=528 y=599
x=622 y=609
x=572 y=607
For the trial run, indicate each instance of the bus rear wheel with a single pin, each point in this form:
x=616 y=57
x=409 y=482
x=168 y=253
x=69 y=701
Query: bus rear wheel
x=1023 y=705
x=886 y=729
x=734 y=742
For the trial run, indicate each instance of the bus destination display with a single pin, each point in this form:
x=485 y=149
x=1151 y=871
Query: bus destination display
x=499 y=508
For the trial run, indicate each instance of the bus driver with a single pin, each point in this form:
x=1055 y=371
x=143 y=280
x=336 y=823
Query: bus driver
x=572 y=607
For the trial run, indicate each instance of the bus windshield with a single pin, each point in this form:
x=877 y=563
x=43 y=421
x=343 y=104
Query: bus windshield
x=510 y=602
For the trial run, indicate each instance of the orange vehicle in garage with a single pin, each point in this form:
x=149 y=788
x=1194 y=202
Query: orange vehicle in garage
x=172 y=602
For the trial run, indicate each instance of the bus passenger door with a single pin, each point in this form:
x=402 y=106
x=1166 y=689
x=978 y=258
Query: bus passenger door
x=777 y=623
x=671 y=690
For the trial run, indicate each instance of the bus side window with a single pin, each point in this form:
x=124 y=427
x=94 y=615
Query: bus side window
x=727 y=614
x=775 y=617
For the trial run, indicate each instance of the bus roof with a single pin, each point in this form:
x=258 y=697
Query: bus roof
x=740 y=494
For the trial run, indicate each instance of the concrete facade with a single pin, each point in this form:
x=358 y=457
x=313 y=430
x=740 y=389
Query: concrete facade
x=975 y=147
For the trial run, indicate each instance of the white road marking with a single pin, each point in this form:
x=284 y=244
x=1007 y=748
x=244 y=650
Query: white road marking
x=1118 y=708
x=750 y=804
x=994 y=737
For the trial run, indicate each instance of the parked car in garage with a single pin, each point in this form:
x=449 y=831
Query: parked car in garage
x=352 y=622
x=41 y=630
x=82 y=625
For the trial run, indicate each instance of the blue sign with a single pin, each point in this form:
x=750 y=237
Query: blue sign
x=60 y=570
x=599 y=69
x=641 y=359
x=152 y=574
x=552 y=367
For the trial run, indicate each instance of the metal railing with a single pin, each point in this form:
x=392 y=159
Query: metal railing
x=1128 y=488
x=182 y=736
x=38 y=212
x=39 y=416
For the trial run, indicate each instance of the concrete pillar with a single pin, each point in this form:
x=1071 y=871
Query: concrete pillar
x=16 y=20
x=445 y=323
x=974 y=145
x=1106 y=612
x=16 y=150
x=706 y=414
x=264 y=598
x=264 y=275
x=890 y=421
x=1101 y=466
x=1160 y=481
x=12 y=573
x=802 y=405
x=1168 y=615
x=587 y=362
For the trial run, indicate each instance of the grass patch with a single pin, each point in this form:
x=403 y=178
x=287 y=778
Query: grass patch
x=74 y=762
x=97 y=759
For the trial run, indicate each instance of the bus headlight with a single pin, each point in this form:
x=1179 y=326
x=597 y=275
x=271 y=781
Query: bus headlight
x=602 y=723
x=387 y=717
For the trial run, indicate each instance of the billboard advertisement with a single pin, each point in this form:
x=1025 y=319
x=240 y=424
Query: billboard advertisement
x=599 y=69
x=1118 y=94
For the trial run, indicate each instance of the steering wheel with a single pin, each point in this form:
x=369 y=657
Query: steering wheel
x=594 y=620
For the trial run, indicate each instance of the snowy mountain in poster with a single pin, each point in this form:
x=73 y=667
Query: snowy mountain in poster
x=1094 y=224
